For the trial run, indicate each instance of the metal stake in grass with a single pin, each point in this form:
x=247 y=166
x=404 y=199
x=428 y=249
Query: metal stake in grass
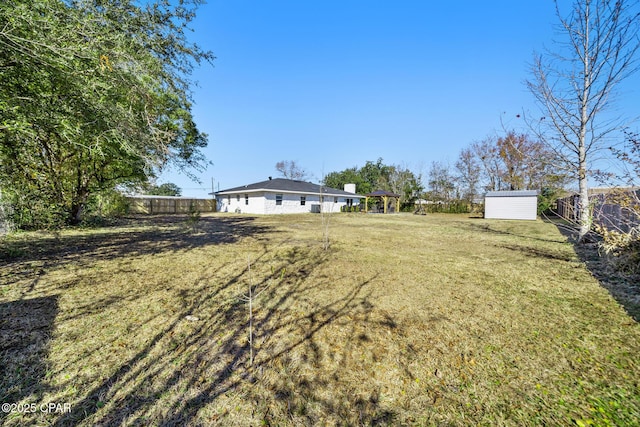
x=324 y=220
x=250 y=312
x=250 y=298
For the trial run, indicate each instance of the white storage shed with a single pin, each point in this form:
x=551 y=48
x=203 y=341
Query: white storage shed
x=521 y=204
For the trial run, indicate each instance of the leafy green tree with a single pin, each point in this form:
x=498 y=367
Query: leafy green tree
x=401 y=180
x=93 y=94
x=166 y=189
x=375 y=175
x=378 y=176
x=347 y=176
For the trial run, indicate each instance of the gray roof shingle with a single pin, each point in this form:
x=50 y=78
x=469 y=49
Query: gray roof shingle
x=288 y=186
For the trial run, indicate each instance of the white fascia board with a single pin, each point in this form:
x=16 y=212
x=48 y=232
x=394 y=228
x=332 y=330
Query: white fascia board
x=224 y=193
x=264 y=190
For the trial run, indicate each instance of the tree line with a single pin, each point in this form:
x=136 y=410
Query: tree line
x=515 y=161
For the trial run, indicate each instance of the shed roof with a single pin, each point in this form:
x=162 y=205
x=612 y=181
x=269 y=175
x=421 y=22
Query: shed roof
x=287 y=186
x=514 y=193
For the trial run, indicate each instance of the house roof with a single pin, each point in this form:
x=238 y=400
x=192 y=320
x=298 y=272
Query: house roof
x=515 y=193
x=287 y=186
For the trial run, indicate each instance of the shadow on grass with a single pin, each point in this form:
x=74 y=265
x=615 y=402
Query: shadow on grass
x=184 y=369
x=25 y=330
x=487 y=228
x=151 y=235
x=538 y=252
x=622 y=288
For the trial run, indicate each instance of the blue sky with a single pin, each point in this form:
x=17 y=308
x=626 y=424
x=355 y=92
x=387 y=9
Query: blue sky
x=332 y=84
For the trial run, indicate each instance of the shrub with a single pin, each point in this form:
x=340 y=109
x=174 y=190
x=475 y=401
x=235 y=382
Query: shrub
x=623 y=248
x=458 y=206
x=29 y=212
x=103 y=207
x=194 y=217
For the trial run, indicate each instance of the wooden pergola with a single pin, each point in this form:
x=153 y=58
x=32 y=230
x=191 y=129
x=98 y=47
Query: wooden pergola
x=384 y=196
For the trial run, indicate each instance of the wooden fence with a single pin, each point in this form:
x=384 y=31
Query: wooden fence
x=614 y=210
x=169 y=205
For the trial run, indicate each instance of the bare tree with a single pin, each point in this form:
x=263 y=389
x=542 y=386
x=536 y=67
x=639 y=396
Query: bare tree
x=527 y=163
x=441 y=182
x=469 y=169
x=291 y=170
x=576 y=84
x=492 y=167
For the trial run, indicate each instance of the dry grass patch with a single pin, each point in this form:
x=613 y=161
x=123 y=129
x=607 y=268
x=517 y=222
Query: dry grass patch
x=406 y=320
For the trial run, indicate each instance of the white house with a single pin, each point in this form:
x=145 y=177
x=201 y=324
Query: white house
x=278 y=196
x=521 y=204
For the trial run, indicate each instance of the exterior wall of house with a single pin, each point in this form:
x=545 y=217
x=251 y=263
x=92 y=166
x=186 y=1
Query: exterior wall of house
x=238 y=203
x=265 y=203
x=330 y=206
x=511 y=207
x=291 y=203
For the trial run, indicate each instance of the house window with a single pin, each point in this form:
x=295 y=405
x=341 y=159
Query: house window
x=246 y=199
x=303 y=200
x=349 y=202
x=238 y=197
x=229 y=199
x=278 y=199
x=335 y=200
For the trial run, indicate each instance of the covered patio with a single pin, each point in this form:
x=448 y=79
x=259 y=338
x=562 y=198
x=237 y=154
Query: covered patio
x=385 y=197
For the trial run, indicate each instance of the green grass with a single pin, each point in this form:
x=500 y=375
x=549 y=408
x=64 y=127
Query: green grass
x=406 y=320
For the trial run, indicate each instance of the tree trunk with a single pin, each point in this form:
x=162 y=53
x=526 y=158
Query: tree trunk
x=583 y=184
x=76 y=213
x=77 y=206
x=584 y=213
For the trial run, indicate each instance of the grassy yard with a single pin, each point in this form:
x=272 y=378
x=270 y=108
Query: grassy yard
x=406 y=320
